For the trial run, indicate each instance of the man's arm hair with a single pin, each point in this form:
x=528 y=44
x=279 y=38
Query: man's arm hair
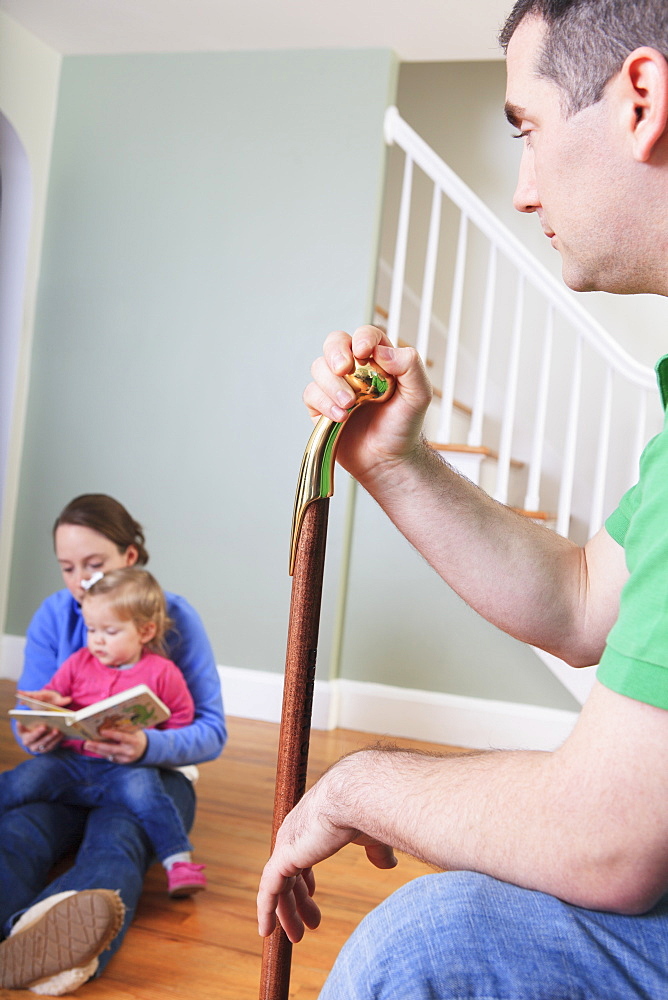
x=587 y=823
x=529 y=581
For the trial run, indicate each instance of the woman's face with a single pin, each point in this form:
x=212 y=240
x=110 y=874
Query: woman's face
x=81 y=552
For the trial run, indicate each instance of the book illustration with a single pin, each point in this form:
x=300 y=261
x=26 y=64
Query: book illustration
x=136 y=708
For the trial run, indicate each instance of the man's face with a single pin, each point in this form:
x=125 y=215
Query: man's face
x=571 y=174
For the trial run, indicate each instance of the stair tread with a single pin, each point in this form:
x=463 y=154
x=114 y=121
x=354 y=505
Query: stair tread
x=536 y=515
x=474 y=449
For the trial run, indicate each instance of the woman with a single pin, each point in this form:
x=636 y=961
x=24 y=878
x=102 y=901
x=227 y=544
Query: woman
x=94 y=533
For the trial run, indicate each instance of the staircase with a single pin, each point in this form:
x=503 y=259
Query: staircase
x=534 y=401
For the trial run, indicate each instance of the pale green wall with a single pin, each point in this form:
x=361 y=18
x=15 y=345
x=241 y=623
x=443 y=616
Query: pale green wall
x=210 y=217
x=29 y=78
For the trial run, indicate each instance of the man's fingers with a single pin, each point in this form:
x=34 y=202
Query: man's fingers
x=289 y=899
x=365 y=340
x=328 y=393
x=381 y=855
x=308 y=909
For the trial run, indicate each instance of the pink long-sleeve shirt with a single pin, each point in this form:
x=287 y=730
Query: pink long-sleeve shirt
x=86 y=681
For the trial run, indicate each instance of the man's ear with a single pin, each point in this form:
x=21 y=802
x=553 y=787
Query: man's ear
x=643 y=83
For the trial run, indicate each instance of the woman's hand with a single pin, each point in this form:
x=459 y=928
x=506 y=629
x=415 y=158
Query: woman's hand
x=119 y=747
x=380 y=434
x=40 y=739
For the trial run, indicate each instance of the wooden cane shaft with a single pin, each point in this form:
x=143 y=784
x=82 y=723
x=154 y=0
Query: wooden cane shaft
x=295 y=731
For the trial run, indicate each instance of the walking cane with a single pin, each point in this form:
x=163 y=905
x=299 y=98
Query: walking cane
x=307 y=560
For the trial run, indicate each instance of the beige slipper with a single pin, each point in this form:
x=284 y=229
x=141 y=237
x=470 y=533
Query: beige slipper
x=53 y=947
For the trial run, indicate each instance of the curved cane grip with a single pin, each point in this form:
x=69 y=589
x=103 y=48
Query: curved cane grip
x=316 y=475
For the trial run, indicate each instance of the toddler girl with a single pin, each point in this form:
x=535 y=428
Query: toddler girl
x=126 y=621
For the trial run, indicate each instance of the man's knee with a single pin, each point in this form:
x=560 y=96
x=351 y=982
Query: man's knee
x=440 y=936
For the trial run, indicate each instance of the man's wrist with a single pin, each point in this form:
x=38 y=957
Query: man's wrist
x=399 y=474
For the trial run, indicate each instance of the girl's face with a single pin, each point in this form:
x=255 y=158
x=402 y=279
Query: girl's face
x=114 y=641
x=81 y=552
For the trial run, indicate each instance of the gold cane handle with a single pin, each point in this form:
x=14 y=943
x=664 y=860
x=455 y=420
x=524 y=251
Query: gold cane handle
x=316 y=476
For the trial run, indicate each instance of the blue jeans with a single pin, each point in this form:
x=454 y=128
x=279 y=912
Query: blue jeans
x=463 y=936
x=112 y=852
x=65 y=776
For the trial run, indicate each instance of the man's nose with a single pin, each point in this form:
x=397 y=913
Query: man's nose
x=526 y=197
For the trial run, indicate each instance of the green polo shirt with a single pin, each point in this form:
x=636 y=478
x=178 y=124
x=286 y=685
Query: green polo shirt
x=635 y=660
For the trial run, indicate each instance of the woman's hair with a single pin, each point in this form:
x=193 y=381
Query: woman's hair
x=587 y=41
x=135 y=595
x=108 y=517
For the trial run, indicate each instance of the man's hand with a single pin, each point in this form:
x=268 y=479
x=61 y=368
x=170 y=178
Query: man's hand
x=314 y=830
x=378 y=437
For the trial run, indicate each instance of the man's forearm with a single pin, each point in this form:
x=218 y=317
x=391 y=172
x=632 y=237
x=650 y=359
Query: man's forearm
x=530 y=818
x=522 y=577
x=567 y=823
x=475 y=812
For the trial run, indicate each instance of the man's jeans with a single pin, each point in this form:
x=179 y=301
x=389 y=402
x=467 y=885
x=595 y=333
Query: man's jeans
x=462 y=936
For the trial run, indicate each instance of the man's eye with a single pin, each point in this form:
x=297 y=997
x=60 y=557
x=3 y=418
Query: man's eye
x=522 y=135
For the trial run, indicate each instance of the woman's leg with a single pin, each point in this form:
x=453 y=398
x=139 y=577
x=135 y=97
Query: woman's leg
x=462 y=936
x=115 y=853
x=43 y=779
x=32 y=839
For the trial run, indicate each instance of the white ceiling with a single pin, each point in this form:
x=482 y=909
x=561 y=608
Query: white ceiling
x=417 y=30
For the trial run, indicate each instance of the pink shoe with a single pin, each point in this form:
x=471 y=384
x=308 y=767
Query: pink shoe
x=184 y=879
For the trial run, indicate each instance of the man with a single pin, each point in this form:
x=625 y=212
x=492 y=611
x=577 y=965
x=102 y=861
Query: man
x=558 y=862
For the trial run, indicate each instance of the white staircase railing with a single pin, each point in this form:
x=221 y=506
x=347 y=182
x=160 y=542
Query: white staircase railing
x=543 y=386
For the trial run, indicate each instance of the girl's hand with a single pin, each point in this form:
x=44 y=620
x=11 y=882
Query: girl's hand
x=119 y=747
x=46 y=696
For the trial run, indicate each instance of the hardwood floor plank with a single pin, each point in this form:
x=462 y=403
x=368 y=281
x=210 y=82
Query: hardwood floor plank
x=208 y=946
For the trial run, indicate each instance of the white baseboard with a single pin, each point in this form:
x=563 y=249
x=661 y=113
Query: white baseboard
x=392 y=711
x=379 y=709
x=11 y=656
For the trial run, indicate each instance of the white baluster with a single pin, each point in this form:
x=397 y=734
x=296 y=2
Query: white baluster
x=532 y=498
x=598 y=486
x=424 y=323
x=570 y=445
x=450 y=366
x=475 y=431
x=399 y=268
x=508 y=422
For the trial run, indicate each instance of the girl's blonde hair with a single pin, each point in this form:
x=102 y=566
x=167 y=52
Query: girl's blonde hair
x=136 y=596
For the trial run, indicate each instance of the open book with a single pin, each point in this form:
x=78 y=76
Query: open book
x=136 y=708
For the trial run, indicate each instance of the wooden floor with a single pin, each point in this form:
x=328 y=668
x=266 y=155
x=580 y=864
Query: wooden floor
x=208 y=946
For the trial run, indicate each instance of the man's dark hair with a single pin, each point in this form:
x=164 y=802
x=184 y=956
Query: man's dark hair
x=587 y=41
